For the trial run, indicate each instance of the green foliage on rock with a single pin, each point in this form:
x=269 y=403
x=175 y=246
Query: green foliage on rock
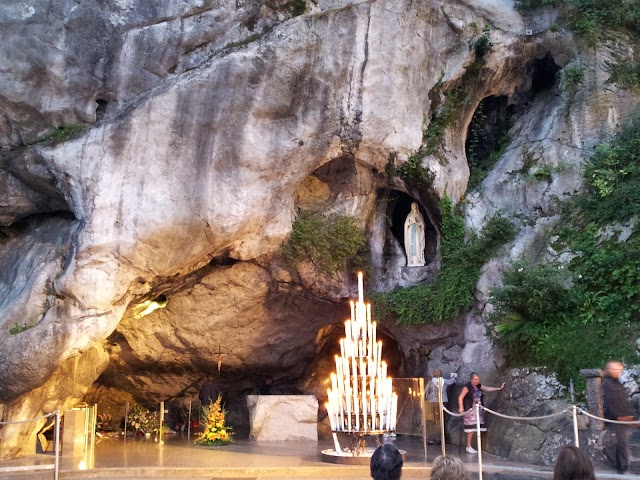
x=626 y=74
x=19 y=328
x=485 y=145
x=591 y=19
x=331 y=242
x=412 y=171
x=455 y=100
x=571 y=77
x=461 y=264
x=63 y=133
x=582 y=314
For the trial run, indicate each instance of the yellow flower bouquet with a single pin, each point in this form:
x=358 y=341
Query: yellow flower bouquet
x=215 y=431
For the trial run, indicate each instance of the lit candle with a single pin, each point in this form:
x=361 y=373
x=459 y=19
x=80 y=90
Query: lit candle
x=355 y=389
x=384 y=369
x=373 y=408
x=349 y=405
x=394 y=411
x=364 y=402
x=360 y=288
x=356 y=407
x=353 y=306
x=389 y=402
x=375 y=329
x=334 y=385
x=328 y=407
x=353 y=366
x=342 y=347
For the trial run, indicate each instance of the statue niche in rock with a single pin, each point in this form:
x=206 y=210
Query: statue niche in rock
x=414 y=235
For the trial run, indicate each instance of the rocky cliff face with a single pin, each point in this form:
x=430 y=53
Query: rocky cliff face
x=161 y=153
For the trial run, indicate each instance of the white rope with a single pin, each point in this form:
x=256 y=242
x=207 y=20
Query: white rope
x=618 y=422
x=30 y=420
x=456 y=414
x=526 y=418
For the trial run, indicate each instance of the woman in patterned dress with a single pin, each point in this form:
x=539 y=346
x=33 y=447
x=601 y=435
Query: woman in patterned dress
x=471 y=395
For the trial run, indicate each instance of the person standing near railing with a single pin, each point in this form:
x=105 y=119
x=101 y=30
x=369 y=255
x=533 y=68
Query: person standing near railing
x=471 y=395
x=617 y=407
x=432 y=402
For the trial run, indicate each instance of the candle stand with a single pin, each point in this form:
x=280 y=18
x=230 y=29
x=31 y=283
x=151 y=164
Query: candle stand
x=361 y=400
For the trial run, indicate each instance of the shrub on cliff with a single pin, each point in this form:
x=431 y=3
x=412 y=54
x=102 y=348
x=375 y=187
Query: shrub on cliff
x=330 y=242
x=579 y=315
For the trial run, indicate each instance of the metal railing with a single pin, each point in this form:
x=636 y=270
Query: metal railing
x=574 y=409
x=56 y=442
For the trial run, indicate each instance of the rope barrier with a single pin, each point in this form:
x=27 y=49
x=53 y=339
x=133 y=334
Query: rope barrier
x=542 y=417
x=618 y=422
x=30 y=420
x=456 y=414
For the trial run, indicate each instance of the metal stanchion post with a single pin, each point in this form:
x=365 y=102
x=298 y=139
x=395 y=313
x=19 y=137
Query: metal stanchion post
x=126 y=420
x=575 y=425
x=424 y=425
x=479 y=441
x=161 y=422
x=56 y=447
x=189 y=424
x=440 y=403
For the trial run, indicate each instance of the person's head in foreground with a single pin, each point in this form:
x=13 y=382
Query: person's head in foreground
x=386 y=463
x=572 y=464
x=445 y=467
x=614 y=369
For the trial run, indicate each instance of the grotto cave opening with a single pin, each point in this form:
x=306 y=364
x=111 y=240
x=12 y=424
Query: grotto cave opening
x=487 y=136
x=325 y=184
x=544 y=74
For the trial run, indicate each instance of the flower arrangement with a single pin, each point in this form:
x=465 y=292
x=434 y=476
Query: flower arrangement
x=140 y=419
x=104 y=422
x=215 y=430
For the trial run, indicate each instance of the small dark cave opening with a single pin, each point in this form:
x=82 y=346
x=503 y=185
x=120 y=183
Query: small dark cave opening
x=544 y=74
x=101 y=108
x=398 y=207
x=487 y=136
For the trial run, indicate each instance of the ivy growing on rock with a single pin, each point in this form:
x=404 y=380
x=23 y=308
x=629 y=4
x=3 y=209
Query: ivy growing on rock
x=412 y=171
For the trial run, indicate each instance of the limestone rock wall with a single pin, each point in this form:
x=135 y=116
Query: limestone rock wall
x=161 y=150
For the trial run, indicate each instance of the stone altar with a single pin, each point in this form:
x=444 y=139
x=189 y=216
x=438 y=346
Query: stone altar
x=283 y=417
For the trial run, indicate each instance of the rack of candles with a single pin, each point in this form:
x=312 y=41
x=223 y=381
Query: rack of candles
x=361 y=397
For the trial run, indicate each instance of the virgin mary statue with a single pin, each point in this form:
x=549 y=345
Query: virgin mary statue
x=414 y=237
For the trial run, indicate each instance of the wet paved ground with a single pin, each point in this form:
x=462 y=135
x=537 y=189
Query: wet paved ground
x=177 y=458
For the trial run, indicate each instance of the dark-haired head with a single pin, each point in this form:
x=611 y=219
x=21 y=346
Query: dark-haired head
x=572 y=464
x=386 y=463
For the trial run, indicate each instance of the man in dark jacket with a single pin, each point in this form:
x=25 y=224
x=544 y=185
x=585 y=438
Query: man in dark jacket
x=617 y=407
x=209 y=392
